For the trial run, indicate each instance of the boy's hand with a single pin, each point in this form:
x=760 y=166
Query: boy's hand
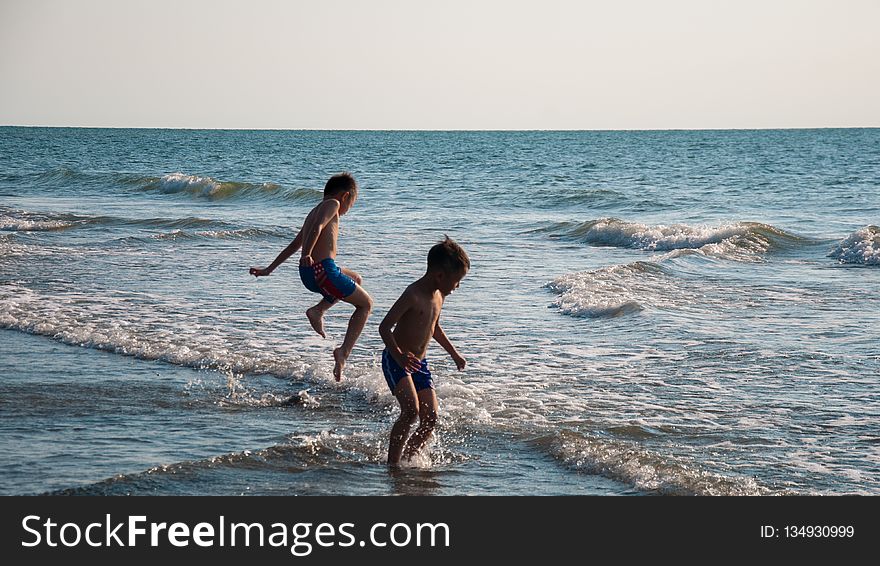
x=408 y=362
x=459 y=362
x=260 y=272
x=306 y=261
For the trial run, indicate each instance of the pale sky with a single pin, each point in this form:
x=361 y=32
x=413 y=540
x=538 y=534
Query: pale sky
x=451 y=64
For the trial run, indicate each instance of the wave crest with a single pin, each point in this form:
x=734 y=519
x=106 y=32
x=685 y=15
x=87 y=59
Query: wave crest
x=209 y=188
x=12 y=220
x=297 y=454
x=230 y=234
x=178 y=183
x=642 y=469
x=739 y=240
x=862 y=247
x=33 y=224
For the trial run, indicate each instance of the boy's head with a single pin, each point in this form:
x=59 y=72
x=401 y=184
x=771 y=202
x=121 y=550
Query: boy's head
x=448 y=263
x=343 y=188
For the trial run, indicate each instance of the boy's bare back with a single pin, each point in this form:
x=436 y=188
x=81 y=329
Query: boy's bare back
x=325 y=246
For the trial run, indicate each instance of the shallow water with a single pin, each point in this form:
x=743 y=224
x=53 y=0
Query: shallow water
x=647 y=312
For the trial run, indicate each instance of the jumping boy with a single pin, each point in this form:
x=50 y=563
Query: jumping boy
x=415 y=319
x=318 y=269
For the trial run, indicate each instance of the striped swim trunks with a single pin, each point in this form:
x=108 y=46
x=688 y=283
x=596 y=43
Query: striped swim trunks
x=325 y=278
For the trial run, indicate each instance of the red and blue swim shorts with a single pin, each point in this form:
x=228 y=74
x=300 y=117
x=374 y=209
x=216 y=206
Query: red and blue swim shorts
x=325 y=278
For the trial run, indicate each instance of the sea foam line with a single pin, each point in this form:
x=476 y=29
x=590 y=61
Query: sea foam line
x=644 y=469
x=140 y=330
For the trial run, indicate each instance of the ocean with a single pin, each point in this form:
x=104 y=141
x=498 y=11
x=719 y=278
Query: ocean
x=647 y=312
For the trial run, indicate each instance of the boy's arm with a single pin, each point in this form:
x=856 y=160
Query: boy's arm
x=282 y=257
x=312 y=230
x=406 y=360
x=443 y=340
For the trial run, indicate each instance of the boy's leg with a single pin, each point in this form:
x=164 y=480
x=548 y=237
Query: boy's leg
x=409 y=412
x=363 y=305
x=427 y=420
x=315 y=315
x=353 y=274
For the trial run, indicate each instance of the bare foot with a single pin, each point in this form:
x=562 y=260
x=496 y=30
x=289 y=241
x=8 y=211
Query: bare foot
x=340 y=363
x=316 y=319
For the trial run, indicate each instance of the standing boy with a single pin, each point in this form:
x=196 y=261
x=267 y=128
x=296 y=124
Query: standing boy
x=415 y=319
x=318 y=269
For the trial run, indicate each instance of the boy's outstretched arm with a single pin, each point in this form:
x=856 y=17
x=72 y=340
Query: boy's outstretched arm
x=282 y=257
x=443 y=340
x=314 y=225
x=407 y=360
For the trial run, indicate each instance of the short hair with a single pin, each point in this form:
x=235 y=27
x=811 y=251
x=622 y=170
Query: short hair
x=341 y=183
x=448 y=256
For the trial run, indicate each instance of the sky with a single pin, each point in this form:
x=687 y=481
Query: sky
x=451 y=64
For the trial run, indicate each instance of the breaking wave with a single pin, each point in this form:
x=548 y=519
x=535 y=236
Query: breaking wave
x=209 y=188
x=862 y=247
x=27 y=221
x=643 y=469
x=193 y=186
x=613 y=291
x=178 y=228
x=742 y=241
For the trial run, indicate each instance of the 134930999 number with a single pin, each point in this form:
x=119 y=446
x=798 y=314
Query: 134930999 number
x=819 y=531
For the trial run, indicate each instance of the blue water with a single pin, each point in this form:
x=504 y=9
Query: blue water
x=686 y=312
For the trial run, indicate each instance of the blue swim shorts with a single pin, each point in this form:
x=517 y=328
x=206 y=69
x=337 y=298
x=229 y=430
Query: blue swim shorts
x=325 y=278
x=394 y=373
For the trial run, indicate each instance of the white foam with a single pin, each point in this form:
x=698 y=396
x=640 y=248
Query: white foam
x=32 y=223
x=110 y=324
x=154 y=330
x=208 y=187
x=181 y=182
x=613 y=291
x=660 y=237
x=862 y=247
x=741 y=241
x=237 y=234
x=645 y=470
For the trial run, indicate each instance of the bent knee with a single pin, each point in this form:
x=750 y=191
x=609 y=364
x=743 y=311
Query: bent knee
x=361 y=301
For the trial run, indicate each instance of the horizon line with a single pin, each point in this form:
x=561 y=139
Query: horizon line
x=719 y=129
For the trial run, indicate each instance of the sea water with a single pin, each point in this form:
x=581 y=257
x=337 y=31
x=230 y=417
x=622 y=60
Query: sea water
x=663 y=312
